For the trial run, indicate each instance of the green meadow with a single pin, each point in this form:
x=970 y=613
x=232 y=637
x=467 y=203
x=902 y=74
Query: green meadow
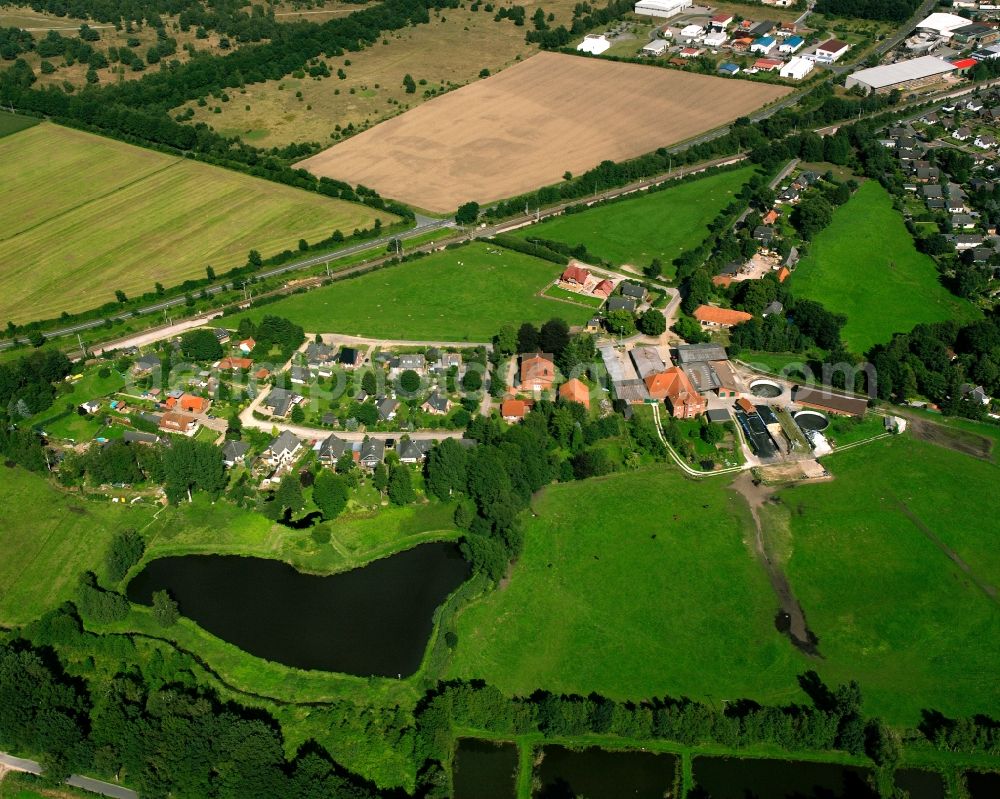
x=642 y=584
x=661 y=224
x=865 y=265
x=463 y=294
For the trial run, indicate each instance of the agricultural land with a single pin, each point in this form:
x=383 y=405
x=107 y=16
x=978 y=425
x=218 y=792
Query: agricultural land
x=882 y=289
x=634 y=599
x=455 y=295
x=125 y=218
x=661 y=224
x=524 y=128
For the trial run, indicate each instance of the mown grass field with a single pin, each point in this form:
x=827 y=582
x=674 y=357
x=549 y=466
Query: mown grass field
x=892 y=609
x=12 y=123
x=662 y=224
x=127 y=218
x=465 y=294
x=634 y=586
x=882 y=290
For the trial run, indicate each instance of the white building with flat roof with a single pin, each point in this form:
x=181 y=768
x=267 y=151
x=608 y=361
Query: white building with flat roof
x=662 y=8
x=901 y=74
x=797 y=68
x=594 y=43
x=942 y=24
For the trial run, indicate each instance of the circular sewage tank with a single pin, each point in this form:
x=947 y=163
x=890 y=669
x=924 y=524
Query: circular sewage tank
x=811 y=420
x=765 y=388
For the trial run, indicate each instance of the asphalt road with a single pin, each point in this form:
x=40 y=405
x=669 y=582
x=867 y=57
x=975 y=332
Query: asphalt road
x=77 y=781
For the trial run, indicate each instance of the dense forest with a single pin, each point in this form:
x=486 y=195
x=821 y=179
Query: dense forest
x=885 y=10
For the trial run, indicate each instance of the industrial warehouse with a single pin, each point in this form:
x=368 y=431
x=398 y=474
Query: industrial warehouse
x=910 y=74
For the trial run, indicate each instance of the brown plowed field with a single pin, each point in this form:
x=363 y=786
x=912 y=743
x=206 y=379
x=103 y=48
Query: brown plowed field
x=526 y=126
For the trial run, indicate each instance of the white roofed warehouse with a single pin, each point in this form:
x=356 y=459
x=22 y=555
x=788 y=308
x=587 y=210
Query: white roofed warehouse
x=910 y=74
x=661 y=8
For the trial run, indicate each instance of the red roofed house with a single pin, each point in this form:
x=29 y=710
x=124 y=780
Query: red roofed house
x=690 y=52
x=964 y=64
x=768 y=64
x=674 y=387
x=711 y=316
x=721 y=21
x=770 y=217
x=604 y=288
x=575 y=391
x=235 y=363
x=783 y=274
x=192 y=404
x=514 y=410
x=247 y=344
x=745 y=405
x=538 y=372
x=179 y=423
x=575 y=274
x=263 y=373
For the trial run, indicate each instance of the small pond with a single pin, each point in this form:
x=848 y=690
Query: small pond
x=983 y=785
x=373 y=620
x=599 y=774
x=765 y=388
x=737 y=778
x=484 y=770
x=920 y=784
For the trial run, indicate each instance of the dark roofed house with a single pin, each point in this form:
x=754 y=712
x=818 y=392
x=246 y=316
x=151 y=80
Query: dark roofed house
x=437 y=404
x=718 y=415
x=300 y=374
x=372 y=452
x=414 y=451
x=318 y=352
x=234 y=452
x=692 y=353
x=633 y=290
x=414 y=361
x=622 y=304
x=138 y=437
x=774 y=307
x=279 y=401
x=825 y=400
x=387 y=409
x=331 y=448
x=146 y=364
x=764 y=234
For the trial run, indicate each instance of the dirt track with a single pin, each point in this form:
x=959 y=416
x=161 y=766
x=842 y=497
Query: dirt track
x=526 y=126
x=959 y=440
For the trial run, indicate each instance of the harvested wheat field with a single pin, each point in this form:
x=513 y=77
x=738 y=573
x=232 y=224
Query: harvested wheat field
x=528 y=125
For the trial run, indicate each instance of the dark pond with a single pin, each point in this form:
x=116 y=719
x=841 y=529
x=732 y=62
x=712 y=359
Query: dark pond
x=735 y=778
x=600 y=774
x=484 y=770
x=372 y=620
x=920 y=784
x=307 y=521
x=983 y=785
